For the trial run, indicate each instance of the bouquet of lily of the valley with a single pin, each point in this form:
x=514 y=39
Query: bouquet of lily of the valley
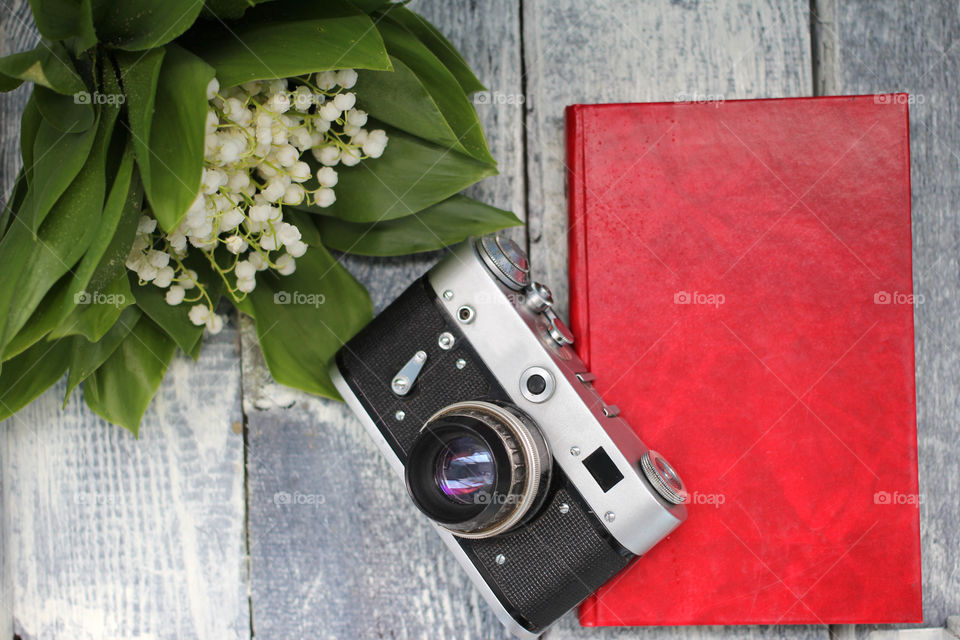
x=177 y=154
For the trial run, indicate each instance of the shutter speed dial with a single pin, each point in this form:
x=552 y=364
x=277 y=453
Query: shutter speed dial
x=505 y=260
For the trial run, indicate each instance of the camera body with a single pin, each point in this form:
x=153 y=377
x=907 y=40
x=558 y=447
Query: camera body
x=469 y=384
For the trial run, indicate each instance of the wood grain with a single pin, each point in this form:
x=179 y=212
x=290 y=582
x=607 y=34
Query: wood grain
x=354 y=558
x=114 y=537
x=889 y=46
x=104 y=536
x=627 y=51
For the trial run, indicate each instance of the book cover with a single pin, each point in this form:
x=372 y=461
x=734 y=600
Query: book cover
x=741 y=285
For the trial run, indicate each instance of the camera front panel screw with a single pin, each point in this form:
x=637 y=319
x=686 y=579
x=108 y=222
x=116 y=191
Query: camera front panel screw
x=448 y=295
x=574 y=450
x=400 y=415
x=564 y=508
x=445 y=341
x=500 y=559
x=461 y=363
x=609 y=516
x=399 y=385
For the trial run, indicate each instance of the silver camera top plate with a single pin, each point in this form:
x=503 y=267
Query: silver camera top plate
x=511 y=338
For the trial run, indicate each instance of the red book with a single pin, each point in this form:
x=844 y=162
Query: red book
x=741 y=284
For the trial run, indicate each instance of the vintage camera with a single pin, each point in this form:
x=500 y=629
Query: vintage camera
x=470 y=386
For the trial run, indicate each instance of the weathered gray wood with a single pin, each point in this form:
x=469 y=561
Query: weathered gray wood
x=893 y=46
x=114 y=537
x=363 y=562
x=628 y=51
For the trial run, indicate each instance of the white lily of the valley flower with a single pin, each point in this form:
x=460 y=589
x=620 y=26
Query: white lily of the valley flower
x=254 y=137
x=286 y=264
x=324 y=197
x=327 y=177
x=175 y=295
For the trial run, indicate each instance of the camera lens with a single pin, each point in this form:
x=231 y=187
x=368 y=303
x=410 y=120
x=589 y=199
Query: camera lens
x=465 y=469
x=478 y=469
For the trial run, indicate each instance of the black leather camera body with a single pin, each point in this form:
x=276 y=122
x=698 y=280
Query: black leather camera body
x=469 y=384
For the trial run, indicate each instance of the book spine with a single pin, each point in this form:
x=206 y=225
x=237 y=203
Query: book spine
x=579 y=298
x=577 y=232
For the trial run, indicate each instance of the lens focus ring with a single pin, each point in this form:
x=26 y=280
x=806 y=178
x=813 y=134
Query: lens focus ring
x=449 y=469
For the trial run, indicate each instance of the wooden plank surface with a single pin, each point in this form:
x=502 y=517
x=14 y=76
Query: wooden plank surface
x=104 y=536
x=354 y=558
x=913 y=47
x=114 y=537
x=628 y=51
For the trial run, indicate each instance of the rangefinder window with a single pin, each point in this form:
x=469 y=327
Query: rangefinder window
x=602 y=469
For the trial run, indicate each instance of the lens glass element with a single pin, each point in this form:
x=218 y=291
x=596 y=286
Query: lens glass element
x=465 y=469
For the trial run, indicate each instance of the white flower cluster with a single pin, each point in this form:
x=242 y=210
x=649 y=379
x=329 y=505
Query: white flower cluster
x=256 y=134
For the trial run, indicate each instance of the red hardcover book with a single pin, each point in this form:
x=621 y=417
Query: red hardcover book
x=741 y=284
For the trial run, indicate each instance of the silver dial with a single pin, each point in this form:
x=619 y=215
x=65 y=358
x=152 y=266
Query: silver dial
x=505 y=259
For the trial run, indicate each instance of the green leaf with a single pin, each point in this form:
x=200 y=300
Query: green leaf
x=368 y=6
x=304 y=318
x=44 y=318
x=398 y=98
x=86 y=356
x=426 y=33
x=281 y=40
x=229 y=9
x=114 y=233
x=138 y=25
x=32 y=263
x=13 y=201
x=30 y=123
x=63 y=19
x=451 y=221
x=140 y=73
x=30 y=374
x=59 y=160
x=411 y=175
x=122 y=388
x=96 y=312
x=446 y=92
x=93 y=295
x=170 y=148
x=71 y=114
x=48 y=66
